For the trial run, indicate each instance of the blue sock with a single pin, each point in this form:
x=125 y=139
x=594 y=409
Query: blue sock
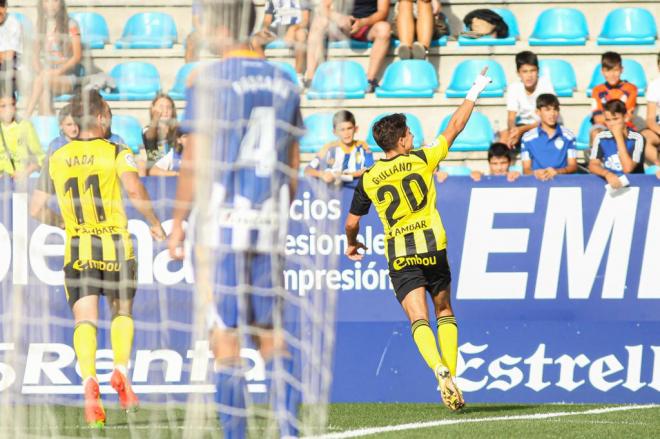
x=230 y=394
x=286 y=399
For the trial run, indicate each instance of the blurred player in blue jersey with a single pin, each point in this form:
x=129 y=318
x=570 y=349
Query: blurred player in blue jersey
x=237 y=177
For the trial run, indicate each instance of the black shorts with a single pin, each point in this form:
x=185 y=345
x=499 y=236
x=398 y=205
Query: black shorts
x=429 y=270
x=114 y=280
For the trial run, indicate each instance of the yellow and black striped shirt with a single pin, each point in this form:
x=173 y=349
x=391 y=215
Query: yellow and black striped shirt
x=84 y=175
x=403 y=190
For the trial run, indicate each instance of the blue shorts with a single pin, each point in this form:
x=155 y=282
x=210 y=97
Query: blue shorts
x=247 y=289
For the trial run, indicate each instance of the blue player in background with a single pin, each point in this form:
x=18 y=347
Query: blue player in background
x=237 y=177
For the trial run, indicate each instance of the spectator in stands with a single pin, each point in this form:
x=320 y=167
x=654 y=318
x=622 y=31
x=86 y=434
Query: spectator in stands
x=612 y=88
x=344 y=159
x=287 y=19
x=617 y=150
x=652 y=131
x=160 y=135
x=59 y=53
x=169 y=164
x=549 y=149
x=20 y=149
x=11 y=46
x=192 y=40
x=499 y=164
x=521 y=98
x=366 y=22
x=427 y=23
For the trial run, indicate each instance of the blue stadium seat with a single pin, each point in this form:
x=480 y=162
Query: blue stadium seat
x=136 y=81
x=651 y=170
x=412 y=78
x=509 y=19
x=477 y=135
x=278 y=44
x=516 y=168
x=288 y=69
x=26 y=24
x=438 y=42
x=561 y=74
x=148 y=30
x=413 y=123
x=349 y=43
x=465 y=73
x=560 y=27
x=129 y=128
x=47 y=128
x=582 y=140
x=318 y=132
x=632 y=72
x=94 y=31
x=178 y=90
x=628 y=26
x=338 y=80
x=456 y=171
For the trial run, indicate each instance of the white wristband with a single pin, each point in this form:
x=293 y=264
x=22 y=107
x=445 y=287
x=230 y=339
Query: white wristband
x=473 y=94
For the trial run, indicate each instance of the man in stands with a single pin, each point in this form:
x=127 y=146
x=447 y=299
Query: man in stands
x=11 y=43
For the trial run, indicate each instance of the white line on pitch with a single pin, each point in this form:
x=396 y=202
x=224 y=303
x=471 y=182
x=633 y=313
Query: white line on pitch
x=418 y=425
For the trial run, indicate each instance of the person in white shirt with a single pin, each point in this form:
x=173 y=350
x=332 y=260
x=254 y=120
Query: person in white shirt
x=11 y=42
x=652 y=131
x=521 y=98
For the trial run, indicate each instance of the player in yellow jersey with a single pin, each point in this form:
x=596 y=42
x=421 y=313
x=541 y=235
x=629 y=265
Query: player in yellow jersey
x=85 y=175
x=401 y=186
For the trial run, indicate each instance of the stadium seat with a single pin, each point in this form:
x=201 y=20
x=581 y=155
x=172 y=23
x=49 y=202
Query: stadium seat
x=94 y=31
x=438 y=42
x=466 y=71
x=509 y=19
x=129 y=128
x=561 y=74
x=148 y=30
x=477 y=135
x=136 y=81
x=628 y=26
x=47 y=128
x=632 y=72
x=349 y=43
x=413 y=123
x=456 y=171
x=288 y=69
x=582 y=140
x=560 y=27
x=26 y=24
x=413 y=78
x=318 y=132
x=651 y=170
x=178 y=90
x=516 y=168
x=278 y=44
x=338 y=80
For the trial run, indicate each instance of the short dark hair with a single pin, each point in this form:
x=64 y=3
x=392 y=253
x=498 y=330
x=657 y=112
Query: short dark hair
x=610 y=60
x=526 y=57
x=547 y=100
x=615 y=106
x=389 y=130
x=342 y=116
x=65 y=111
x=499 y=149
x=237 y=16
x=3 y=3
x=85 y=107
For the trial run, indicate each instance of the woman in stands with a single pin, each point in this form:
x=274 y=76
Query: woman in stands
x=160 y=135
x=58 y=52
x=426 y=22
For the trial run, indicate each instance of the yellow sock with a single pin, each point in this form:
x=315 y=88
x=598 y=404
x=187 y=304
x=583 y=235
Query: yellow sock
x=84 y=343
x=121 y=336
x=448 y=340
x=425 y=341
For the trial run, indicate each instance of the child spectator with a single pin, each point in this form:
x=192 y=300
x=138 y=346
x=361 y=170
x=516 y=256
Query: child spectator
x=612 y=88
x=499 y=164
x=521 y=98
x=426 y=23
x=20 y=149
x=170 y=163
x=549 y=149
x=344 y=159
x=287 y=19
x=366 y=22
x=617 y=150
x=11 y=45
x=160 y=135
x=652 y=132
x=59 y=53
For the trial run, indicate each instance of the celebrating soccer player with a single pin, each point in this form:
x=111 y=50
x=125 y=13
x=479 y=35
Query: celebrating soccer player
x=85 y=176
x=239 y=172
x=402 y=188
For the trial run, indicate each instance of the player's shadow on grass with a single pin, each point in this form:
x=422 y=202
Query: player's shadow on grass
x=493 y=408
